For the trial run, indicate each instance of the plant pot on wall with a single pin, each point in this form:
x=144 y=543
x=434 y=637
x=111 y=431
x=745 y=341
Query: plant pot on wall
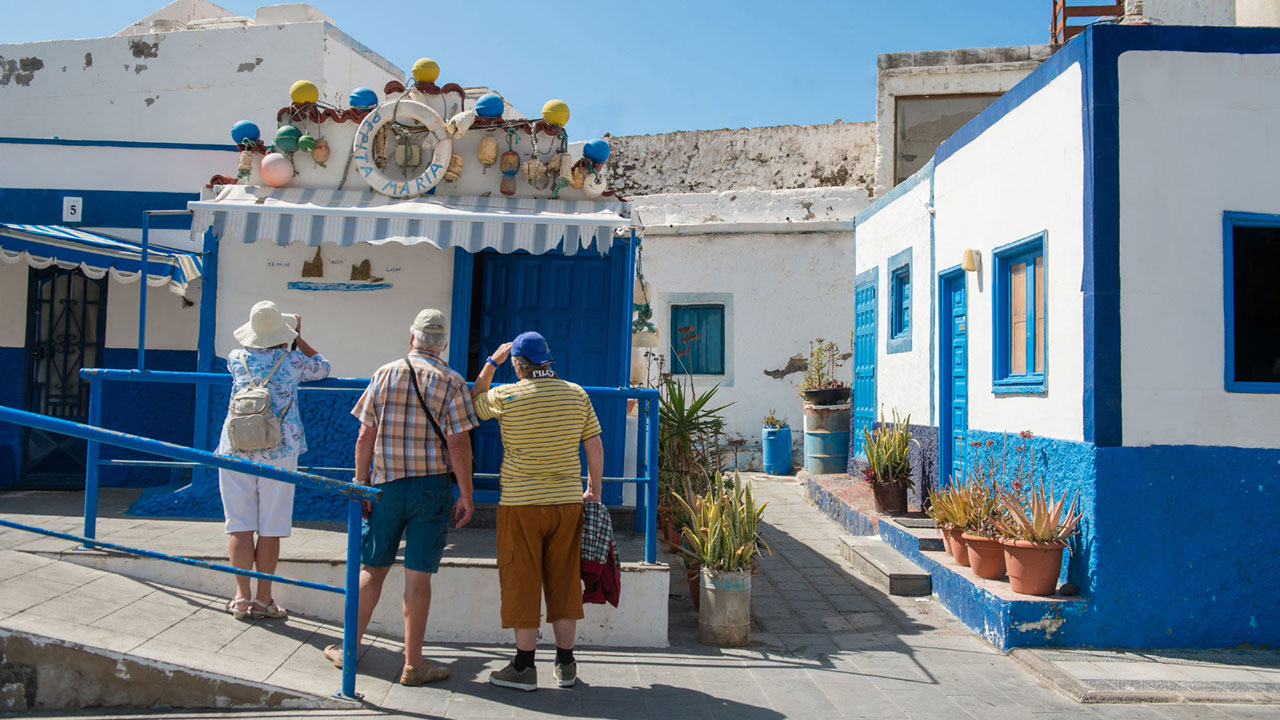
x=986 y=556
x=724 y=618
x=890 y=499
x=1033 y=566
x=959 y=550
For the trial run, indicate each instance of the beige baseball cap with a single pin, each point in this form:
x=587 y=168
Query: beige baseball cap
x=431 y=322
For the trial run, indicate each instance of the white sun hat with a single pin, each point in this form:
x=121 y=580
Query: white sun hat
x=267 y=327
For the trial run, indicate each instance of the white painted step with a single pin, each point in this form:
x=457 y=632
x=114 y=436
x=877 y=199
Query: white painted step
x=884 y=567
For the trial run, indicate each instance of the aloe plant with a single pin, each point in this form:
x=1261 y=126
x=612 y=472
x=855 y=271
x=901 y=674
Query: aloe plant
x=722 y=532
x=887 y=448
x=949 y=507
x=1044 y=518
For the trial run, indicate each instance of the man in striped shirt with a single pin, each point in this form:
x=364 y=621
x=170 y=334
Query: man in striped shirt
x=543 y=420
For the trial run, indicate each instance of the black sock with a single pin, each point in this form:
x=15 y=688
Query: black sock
x=564 y=657
x=524 y=659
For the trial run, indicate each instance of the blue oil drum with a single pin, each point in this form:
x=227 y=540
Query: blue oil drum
x=826 y=439
x=777 y=450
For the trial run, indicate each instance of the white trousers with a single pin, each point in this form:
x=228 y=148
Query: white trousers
x=253 y=503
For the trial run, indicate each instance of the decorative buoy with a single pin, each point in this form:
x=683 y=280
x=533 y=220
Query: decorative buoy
x=245 y=130
x=287 y=137
x=556 y=112
x=306 y=143
x=455 y=168
x=595 y=184
x=459 y=124
x=490 y=105
x=275 y=170
x=425 y=70
x=362 y=98
x=364 y=156
x=321 y=153
x=487 y=153
x=304 y=91
x=596 y=150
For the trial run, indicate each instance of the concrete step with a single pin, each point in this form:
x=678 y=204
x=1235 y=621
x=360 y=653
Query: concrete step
x=928 y=539
x=884 y=567
x=75 y=637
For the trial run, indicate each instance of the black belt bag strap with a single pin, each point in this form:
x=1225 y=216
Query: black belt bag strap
x=413 y=378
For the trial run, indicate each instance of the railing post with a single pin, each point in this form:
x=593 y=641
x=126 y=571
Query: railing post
x=91 y=463
x=642 y=461
x=351 y=609
x=651 y=509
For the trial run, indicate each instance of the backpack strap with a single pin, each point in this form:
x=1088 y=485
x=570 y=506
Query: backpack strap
x=261 y=382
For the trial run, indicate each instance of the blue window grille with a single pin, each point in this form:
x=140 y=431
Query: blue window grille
x=1020 y=353
x=697 y=339
x=1251 y=296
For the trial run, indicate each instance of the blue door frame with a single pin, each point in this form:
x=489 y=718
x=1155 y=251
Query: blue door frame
x=865 y=305
x=953 y=354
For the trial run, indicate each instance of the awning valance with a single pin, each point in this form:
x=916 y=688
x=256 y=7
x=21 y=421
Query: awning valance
x=95 y=255
x=313 y=216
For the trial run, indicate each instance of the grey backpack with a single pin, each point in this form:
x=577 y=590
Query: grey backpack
x=250 y=423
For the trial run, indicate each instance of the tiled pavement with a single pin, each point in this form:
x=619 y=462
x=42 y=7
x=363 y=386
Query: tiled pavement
x=825 y=645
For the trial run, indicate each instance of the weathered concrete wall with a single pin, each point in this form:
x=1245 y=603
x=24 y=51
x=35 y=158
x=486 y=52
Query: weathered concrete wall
x=1185 y=12
x=768 y=158
x=973 y=71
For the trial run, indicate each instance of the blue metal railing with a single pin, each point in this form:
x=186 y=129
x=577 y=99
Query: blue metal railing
x=200 y=458
x=646 y=441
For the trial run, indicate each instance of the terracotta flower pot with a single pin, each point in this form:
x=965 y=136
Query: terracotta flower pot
x=946 y=540
x=986 y=556
x=1033 y=567
x=959 y=550
x=890 y=499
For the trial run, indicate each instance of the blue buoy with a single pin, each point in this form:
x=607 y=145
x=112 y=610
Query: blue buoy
x=596 y=150
x=244 y=130
x=362 y=98
x=490 y=106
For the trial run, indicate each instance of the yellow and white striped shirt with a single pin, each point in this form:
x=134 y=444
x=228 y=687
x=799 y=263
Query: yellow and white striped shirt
x=543 y=422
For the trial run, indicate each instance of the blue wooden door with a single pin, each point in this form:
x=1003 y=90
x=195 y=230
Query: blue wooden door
x=955 y=377
x=864 y=361
x=568 y=300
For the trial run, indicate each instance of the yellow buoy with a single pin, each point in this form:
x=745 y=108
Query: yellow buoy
x=304 y=91
x=556 y=112
x=426 y=70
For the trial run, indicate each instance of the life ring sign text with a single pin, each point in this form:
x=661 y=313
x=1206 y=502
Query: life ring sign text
x=396 y=110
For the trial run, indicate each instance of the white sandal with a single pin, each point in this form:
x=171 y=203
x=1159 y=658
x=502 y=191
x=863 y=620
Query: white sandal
x=235 y=611
x=271 y=611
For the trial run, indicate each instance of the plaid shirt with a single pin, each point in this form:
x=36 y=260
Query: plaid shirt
x=597 y=532
x=405 y=444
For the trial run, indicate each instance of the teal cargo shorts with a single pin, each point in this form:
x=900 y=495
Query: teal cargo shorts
x=415 y=508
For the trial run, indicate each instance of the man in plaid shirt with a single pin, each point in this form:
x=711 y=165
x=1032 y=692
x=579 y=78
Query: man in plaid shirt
x=407 y=457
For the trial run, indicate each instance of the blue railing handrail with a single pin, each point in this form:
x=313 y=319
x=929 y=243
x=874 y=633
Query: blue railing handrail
x=95 y=436
x=180 y=452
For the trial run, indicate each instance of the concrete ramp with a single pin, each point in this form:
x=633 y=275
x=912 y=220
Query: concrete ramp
x=75 y=637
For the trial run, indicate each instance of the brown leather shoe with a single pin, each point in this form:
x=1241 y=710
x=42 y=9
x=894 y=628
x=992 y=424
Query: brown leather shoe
x=428 y=672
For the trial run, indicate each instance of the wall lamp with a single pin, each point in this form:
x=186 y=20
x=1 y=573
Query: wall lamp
x=971 y=261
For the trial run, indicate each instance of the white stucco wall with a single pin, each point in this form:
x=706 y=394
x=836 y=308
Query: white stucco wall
x=1185 y=12
x=902 y=378
x=13 y=298
x=1257 y=12
x=357 y=331
x=170 y=324
x=1171 y=252
x=1022 y=176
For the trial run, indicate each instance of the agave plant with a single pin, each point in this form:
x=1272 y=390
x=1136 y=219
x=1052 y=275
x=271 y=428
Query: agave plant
x=949 y=507
x=723 y=527
x=888 y=449
x=1043 y=519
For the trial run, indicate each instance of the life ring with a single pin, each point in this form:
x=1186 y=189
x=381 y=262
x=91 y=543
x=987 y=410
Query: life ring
x=362 y=155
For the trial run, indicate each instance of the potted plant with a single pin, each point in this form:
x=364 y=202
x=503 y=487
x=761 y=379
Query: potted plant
x=775 y=444
x=982 y=529
x=820 y=385
x=723 y=538
x=887 y=447
x=1035 y=531
x=949 y=509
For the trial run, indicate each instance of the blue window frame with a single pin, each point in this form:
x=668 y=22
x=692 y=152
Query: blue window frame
x=898 y=339
x=1020 y=352
x=697 y=339
x=1251 y=299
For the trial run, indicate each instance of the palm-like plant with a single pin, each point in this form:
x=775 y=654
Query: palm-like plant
x=888 y=451
x=723 y=529
x=1045 y=517
x=688 y=433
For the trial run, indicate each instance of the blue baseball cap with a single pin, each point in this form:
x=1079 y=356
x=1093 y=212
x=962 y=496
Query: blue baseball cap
x=531 y=346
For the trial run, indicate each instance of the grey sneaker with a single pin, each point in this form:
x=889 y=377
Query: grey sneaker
x=509 y=677
x=567 y=674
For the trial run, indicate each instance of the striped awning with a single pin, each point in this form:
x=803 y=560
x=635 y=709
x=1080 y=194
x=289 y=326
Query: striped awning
x=96 y=255
x=313 y=216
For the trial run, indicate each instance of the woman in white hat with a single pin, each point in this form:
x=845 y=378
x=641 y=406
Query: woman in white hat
x=252 y=504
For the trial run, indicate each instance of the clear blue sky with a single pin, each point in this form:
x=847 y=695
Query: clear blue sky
x=632 y=67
